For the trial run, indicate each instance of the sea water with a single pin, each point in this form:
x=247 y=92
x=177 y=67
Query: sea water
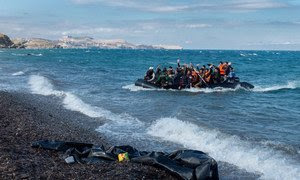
x=254 y=131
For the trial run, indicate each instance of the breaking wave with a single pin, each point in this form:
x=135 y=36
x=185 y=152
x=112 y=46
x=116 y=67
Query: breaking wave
x=43 y=86
x=269 y=163
x=19 y=73
x=289 y=85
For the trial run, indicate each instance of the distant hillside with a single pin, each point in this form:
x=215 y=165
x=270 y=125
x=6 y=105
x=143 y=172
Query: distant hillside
x=75 y=42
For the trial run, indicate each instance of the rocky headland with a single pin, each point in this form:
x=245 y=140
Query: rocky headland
x=5 y=41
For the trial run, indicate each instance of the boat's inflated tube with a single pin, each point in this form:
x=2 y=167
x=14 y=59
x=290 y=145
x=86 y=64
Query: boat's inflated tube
x=232 y=85
x=146 y=84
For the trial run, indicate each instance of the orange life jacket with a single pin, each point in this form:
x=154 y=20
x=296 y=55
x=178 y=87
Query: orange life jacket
x=195 y=76
x=222 y=68
x=207 y=76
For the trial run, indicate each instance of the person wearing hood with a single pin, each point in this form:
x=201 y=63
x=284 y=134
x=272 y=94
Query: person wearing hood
x=150 y=75
x=228 y=69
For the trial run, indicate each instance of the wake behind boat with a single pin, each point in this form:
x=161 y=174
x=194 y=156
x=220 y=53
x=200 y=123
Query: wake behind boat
x=185 y=77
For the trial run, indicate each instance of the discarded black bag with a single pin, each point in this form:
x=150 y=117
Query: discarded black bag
x=186 y=164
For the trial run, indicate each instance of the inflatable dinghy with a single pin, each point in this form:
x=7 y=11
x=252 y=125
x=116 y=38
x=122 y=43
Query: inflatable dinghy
x=145 y=84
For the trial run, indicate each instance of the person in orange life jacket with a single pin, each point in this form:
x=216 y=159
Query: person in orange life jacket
x=222 y=68
x=195 y=77
x=207 y=76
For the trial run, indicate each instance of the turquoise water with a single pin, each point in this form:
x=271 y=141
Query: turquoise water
x=257 y=131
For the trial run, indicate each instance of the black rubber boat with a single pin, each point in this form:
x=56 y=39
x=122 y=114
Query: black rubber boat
x=232 y=85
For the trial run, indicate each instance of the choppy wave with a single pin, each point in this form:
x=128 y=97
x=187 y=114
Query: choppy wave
x=287 y=148
x=19 y=73
x=248 y=54
x=289 y=85
x=269 y=163
x=26 y=54
x=43 y=86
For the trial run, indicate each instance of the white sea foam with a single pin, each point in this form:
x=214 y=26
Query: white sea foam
x=19 y=73
x=74 y=103
x=135 y=88
x=289 y=85
x=41 y=85
x=257 y=159
x=119 y=125
x=212 y=90
x=123 y=126
x=15 y=54
x=267 y=88
x=40 y=54
x=28 y=54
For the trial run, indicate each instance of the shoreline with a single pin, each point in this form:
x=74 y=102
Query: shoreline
x=26 y=118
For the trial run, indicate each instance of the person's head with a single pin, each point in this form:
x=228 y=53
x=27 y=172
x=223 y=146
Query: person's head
x=165 y=69
x=170 y=67
x=229 y=63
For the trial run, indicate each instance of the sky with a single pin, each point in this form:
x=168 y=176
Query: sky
x=192 y=24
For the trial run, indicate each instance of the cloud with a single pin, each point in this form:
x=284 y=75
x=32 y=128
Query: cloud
x=90 y=31
x=205 y=5
x=274 y=43
x=256 y=5
x=283 y=23
x=196 y=26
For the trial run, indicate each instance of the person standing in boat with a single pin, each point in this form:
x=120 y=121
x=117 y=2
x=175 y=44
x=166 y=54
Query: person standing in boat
x=229 y=68
x=150 y=75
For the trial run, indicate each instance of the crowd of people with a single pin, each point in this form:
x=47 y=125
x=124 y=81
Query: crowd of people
x=187 y=76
